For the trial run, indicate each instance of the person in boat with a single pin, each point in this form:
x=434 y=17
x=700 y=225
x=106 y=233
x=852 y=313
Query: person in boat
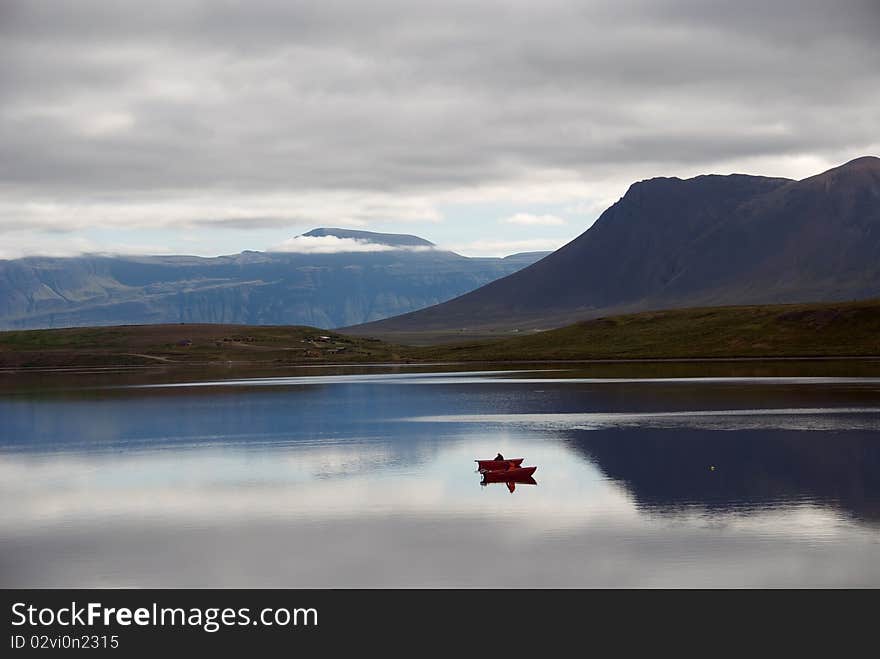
x=499 y=457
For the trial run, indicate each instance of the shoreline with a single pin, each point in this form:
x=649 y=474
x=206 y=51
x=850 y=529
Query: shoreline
x=182 y=365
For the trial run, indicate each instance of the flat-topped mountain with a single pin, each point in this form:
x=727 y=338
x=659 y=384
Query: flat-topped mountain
x=389 y=239
x=708 y=240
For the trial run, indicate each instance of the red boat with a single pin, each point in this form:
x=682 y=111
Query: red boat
x=498 y=465
x=513 y=475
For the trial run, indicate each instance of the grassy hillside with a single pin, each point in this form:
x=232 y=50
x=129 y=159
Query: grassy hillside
x=186 y=344
x=805 y=330
x=791 y=330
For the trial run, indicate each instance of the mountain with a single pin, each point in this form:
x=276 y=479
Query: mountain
x=705 y=241
x=258 y=288
x=387 y=239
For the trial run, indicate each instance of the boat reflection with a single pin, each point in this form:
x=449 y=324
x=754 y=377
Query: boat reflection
x=511 y=480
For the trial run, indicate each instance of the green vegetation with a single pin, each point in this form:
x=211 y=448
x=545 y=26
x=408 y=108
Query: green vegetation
x=186 y=344
x=800 y=330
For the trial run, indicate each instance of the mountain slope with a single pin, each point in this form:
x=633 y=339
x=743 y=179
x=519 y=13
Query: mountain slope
x=773 y=330
x=680 y=338
x=257 y=288
x=709 y=240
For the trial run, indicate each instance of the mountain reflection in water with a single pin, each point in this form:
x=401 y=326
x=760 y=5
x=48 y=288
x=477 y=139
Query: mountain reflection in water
x=667 y=470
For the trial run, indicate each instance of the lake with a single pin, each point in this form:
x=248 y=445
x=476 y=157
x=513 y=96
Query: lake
x=648 y=475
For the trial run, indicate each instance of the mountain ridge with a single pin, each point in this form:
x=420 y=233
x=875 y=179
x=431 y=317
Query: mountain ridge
x=257 y=288
x=707 y=240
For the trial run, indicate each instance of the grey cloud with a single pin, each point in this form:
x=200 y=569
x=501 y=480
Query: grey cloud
x=250 y=222
x=409 y=98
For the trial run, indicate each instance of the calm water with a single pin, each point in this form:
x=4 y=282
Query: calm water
x=722 y=475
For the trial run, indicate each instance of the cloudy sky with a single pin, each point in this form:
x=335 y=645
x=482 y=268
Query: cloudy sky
x=489 y=127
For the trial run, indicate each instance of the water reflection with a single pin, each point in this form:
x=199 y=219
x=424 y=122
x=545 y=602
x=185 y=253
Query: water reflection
x=369 y=482
x=510 y=481
x=667 y=470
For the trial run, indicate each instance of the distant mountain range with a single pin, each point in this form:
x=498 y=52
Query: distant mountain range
x=393 y=274
x=705 y=241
